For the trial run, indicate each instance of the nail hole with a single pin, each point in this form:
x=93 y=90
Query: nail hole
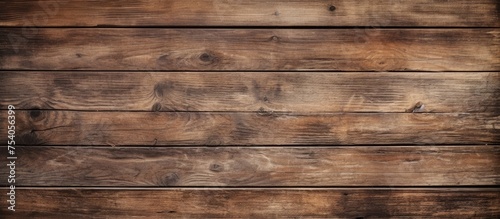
x=332 y=8
x=216 y=167
x=205 y=57
x=34 y=113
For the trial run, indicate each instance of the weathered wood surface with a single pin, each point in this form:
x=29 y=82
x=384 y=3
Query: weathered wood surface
x=250 y=49
x=41 y=127
x=461 y=92
x=256 y=203
x=262 y=166
x=457 y=13
x=311 y=118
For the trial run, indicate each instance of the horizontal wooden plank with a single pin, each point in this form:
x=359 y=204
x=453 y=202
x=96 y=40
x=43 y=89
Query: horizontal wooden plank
x=255 y=13
x=250 y=49
x=256 y=203
x=39 y=127
x=248 y=92
x=272 y=166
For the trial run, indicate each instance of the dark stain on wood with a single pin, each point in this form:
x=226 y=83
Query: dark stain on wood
x=209 y=58
x=156 y=107
x=498 y=9
x=332 y=8
x=35 y=113
x=242 y=130
x=29 y=138
x=163 y=87
x=63 y=82
x=215 y=167
x=205 y=57
x=170 y=180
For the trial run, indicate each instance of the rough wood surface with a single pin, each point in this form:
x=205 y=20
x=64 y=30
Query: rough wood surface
x=250 y=49
x=455 y=13
x=271 y=166
x=41 y=127
x=257 y=203
x=460 y=92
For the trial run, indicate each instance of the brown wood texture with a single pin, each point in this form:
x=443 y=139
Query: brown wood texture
x=40 y=127
x=257 y=203
x=250 y=49
x=315 y=92
x=457 y=13
x=252 y=109
x=260 y=166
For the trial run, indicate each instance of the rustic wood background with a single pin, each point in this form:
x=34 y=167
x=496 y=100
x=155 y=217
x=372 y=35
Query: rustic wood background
x=252 y=109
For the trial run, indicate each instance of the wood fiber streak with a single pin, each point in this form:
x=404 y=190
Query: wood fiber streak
x=235 y=166
x=257 y=203
x=457 y=13
x=262 y=128
x=461 y=92
x=251 y=49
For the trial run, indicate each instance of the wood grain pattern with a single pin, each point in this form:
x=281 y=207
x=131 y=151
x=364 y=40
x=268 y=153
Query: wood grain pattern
x=257 y=203
x=251 y=49
x=252 y=109
x=38 y=127
x=316 y=92
x=455 y=13
x=271 y=166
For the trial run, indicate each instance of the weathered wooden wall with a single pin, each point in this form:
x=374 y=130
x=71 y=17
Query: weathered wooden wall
x=252 y=109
